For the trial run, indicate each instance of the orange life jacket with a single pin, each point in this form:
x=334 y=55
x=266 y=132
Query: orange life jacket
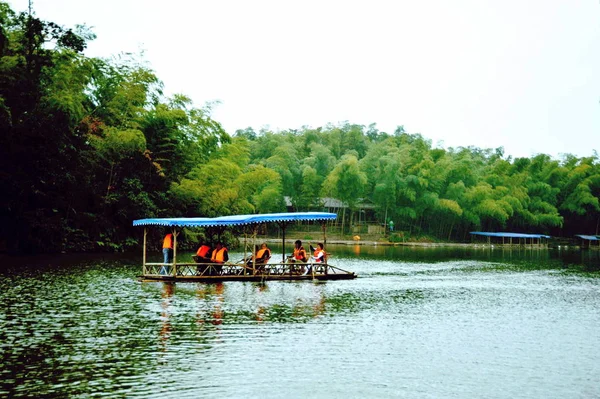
x=168 y=241
x=218 y=255
x=261 y=252
x=300 y=253
x=316 y=255
x=203 y=250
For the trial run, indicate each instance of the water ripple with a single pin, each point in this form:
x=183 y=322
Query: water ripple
x=412 y=325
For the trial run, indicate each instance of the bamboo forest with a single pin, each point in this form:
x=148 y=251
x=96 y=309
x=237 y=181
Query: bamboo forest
x=88 y=145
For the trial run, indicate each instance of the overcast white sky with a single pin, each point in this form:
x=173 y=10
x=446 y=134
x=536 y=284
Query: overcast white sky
x=522 y=74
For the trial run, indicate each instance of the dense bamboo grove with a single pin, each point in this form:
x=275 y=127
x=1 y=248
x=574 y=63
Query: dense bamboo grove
x=88 y=145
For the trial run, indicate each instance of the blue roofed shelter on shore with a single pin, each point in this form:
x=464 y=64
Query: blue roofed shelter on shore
x=507 y=238
x=587 y=241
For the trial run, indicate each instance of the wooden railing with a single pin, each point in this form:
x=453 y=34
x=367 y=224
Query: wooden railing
x=237 y=269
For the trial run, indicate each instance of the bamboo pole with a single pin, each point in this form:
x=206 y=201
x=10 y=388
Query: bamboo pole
x=282 y=226
x=245 y=242
x=253 y=250
x=174 y=252
x=325 y=245
x=144 y=251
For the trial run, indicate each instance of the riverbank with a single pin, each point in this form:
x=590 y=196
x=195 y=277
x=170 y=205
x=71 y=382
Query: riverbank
x=396 y=244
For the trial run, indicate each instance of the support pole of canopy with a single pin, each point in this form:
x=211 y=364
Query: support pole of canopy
x=245 y=244
x=253 y=250
x=325 y=260
x=144 y=254
x=174 y=252
x=282 y=226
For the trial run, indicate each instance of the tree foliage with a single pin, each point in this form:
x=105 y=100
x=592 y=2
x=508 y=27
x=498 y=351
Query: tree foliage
x=87 y=145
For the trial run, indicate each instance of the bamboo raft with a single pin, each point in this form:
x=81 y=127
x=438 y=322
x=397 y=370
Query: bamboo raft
x=213 y=272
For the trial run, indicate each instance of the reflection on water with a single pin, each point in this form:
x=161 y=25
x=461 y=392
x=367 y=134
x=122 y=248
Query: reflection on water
x=418 y=322
x=165 y=315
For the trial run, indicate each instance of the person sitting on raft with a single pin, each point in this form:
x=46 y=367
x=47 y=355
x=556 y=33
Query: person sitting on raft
x=317 y=257
x=299 y=253
x=262 y=256
x=203 y=254
x=319 y=254
x=219 y=256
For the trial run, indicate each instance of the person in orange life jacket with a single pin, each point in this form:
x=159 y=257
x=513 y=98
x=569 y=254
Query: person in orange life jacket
x=167 y=252
x=219 y=254
x=203 y=254
x=319 y=254
x=262 y=256
x=299 y=252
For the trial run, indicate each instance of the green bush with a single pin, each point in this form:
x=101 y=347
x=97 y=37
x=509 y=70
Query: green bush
x=396 y=237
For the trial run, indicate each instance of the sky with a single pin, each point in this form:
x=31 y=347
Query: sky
x=518 y=74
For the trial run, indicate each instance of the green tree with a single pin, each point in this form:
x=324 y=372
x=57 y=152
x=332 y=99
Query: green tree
x=347 y=183
x=310 y=188
x=42 y=76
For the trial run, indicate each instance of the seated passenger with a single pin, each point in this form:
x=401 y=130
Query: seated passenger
x=262 y=257
x=263 y=254
x=317 y=257
x=219 y=256
x=202 y=255
x=299 y=256
x=299 y=252
x=319 y=254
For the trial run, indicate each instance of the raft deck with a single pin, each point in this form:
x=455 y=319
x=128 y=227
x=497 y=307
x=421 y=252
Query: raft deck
x=207 y=272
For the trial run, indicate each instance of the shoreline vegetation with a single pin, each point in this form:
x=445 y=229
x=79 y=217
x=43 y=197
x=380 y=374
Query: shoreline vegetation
x=88 y=145
x=335 y=241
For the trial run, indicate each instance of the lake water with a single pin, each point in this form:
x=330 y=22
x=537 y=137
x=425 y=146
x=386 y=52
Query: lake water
x=417 y=323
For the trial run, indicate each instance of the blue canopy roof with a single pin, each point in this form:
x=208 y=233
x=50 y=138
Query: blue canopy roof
x=591 y=238
x=509 y=235
x=236 y=220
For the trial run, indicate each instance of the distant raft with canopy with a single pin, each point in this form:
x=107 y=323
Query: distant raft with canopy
x=243 y=270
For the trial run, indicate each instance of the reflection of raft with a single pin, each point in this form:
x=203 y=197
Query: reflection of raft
x=205 y=272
